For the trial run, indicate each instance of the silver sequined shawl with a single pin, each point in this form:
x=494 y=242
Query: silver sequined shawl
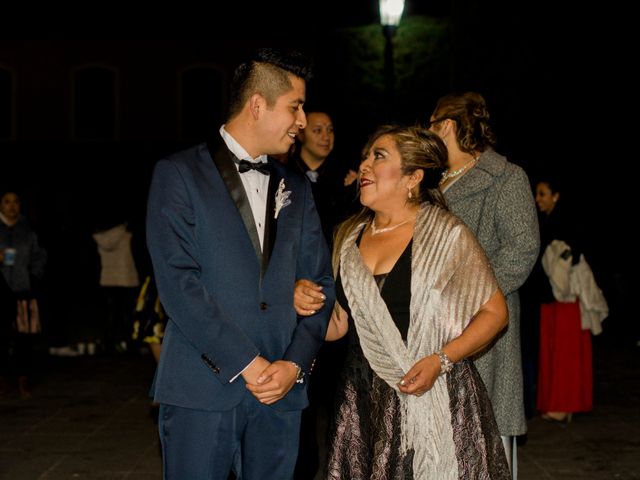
x=451 y=278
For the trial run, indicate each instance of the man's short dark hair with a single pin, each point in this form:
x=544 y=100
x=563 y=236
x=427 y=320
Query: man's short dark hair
x=267 y=72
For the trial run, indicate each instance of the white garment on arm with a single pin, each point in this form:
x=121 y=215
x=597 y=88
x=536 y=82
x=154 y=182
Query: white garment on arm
x=256 y=185
x=248 y=365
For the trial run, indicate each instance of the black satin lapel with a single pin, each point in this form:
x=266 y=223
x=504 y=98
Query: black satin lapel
x=231 y=178
x=270 y=223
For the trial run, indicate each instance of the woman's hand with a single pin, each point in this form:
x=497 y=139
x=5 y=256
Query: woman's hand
x=350 y=177
x=307 y=297
x=421 y=377
x=483 y=328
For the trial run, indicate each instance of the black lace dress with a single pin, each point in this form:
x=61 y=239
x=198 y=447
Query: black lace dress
x=365 y=432
x=364 y=435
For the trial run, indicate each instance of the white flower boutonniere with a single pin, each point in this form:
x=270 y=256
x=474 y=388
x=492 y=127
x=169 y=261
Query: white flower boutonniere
x=282 y=198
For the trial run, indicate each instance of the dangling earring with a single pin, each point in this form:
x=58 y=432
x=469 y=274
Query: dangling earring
x=410 y=194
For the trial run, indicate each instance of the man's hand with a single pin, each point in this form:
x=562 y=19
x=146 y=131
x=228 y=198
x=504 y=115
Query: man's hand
x=307 y=297
x=252 y=373
x=274 y=382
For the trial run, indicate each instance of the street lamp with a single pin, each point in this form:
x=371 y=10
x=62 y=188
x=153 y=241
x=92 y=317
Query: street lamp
x=390 y=13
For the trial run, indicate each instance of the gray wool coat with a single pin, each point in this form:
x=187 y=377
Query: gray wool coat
x=495 y=201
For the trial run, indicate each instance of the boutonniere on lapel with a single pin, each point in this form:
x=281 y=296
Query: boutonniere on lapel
x=282 y=198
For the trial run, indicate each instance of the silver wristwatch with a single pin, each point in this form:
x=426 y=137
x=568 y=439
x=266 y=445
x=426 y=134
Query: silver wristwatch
x=445 y=362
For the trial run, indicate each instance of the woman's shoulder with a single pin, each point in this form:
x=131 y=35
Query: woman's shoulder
x=498 y=165
x=435 y=216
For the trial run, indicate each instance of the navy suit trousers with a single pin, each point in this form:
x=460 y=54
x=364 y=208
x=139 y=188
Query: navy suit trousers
x=253 y=440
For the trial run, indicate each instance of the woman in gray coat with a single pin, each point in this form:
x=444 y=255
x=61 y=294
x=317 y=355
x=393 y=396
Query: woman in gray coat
x=493 y=197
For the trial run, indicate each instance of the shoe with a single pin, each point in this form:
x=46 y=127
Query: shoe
x=559 y=418
x=23 y=387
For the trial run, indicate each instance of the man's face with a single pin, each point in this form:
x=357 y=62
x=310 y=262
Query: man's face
x=317 y=138
x=10 y=206
x=280 y=123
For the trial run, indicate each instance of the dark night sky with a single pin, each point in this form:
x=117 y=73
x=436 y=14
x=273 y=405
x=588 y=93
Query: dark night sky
x=556 y=76
x=548 y=69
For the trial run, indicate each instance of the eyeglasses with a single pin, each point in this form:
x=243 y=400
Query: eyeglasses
x=430 y=123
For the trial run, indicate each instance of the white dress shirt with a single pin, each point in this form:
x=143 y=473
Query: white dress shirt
x=256 y=184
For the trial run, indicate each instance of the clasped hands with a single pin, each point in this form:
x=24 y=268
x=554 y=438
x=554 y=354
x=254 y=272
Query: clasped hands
x=270 y=382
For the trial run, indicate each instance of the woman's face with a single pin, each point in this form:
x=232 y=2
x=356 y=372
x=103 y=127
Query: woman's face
x=545 y=198
x=10 y=206
x=383 y=186
x=318 y=138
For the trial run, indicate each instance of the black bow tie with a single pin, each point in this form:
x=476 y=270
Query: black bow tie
x=246 y=165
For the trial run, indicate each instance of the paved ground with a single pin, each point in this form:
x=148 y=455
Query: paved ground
x=89 y=420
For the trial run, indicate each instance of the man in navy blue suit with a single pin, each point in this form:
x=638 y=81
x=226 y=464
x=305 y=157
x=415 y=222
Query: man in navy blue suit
x=229 y=231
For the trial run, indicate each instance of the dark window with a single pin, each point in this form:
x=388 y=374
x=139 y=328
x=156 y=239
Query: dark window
x=6 y=104
x=94 y=103
x=201 y=103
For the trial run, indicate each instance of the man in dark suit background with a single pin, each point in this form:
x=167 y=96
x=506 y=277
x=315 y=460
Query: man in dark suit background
x=229 y=231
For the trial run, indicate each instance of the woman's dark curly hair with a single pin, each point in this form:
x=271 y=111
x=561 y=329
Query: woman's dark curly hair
x=469 y=111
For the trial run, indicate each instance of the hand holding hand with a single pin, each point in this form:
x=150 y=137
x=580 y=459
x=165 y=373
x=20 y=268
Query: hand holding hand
x=421 y=377
x=274 y=382
x=307 y=297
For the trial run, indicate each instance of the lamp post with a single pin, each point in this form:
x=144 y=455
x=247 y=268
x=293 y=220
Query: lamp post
x=390 y=13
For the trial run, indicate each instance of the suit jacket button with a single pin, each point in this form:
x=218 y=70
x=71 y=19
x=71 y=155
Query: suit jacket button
x=263 y=305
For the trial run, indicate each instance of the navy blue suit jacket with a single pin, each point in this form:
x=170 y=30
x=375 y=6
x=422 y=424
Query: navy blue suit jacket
x=225 y=299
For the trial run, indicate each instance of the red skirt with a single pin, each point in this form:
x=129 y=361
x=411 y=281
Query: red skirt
x=565 y=371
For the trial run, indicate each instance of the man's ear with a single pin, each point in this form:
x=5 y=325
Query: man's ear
x=257 y=104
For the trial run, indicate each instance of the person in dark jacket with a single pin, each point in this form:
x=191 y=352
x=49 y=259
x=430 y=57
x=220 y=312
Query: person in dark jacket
x=7 y=316
x=22 y=262
x=334 y=193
